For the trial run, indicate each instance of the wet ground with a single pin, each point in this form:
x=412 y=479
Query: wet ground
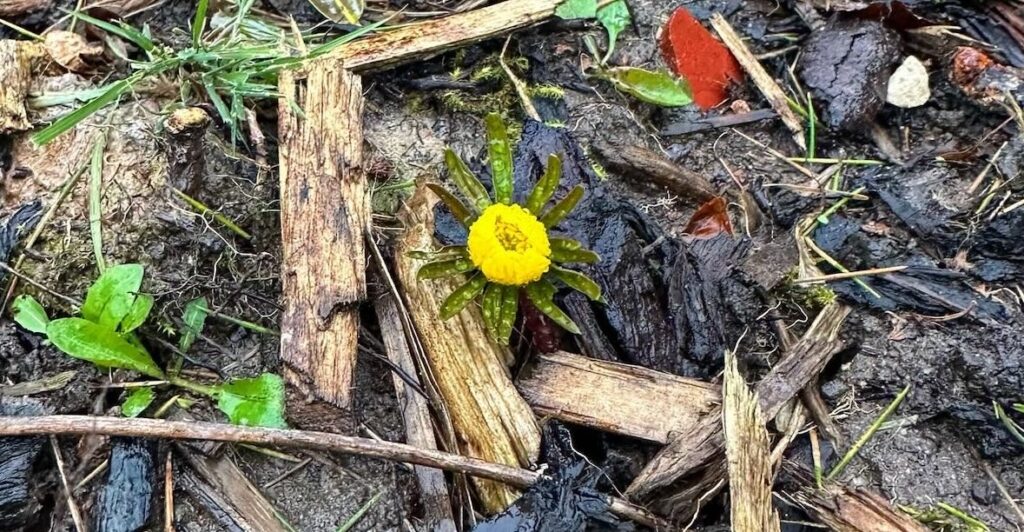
x=935 y=450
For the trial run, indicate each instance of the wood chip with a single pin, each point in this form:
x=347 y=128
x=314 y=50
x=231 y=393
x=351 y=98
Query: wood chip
x=16 y=66
x=748 y=456
x=616 y=397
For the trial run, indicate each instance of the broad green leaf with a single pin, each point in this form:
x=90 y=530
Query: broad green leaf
x=509 y=309
x=137 y=401
x=110 y=289
x=194 y=319
x=340 y=10
x=615 y=18
x=30 y=314
x=654 y=87
x=468 y=184
x=571 y=9
x=255 y=402
x=137 y=314
x=455 y=205
x=546 y=185
x=462 y=296
x=491 y=304
x=563 y=207
x=444 y=268
x=577 y=281
x=500 y=153
x=542 y=294
x=92 y=342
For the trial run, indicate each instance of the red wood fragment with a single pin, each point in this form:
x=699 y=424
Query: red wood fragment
x=694 y=54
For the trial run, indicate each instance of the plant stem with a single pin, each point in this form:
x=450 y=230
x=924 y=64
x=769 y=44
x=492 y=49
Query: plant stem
x=210 y=391
x=95 y=203
x=868 y=434
x=203 y=209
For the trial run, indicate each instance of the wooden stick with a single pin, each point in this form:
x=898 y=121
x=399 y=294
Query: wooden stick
x=234 y=489
x=297 y=439
x=324 y=208
x=426 y=39
x=419 y=430
x=768 y=87
x=76 y=514
x=615 y=397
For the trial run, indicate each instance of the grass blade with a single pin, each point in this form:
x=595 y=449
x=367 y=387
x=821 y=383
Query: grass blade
x=358 y=516
x=95 y=194
x=70 y=120
x=123 y=31
x=199 y=22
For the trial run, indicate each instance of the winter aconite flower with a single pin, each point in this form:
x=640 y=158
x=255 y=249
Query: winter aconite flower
x=509 y=247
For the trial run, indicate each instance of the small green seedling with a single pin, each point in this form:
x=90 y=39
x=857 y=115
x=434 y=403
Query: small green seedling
x=104 y=334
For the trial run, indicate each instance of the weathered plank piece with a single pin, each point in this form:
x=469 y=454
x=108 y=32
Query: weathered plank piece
x=620 y=398
x=324 y=212
x=491 y=420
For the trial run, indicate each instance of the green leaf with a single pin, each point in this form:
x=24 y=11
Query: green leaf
x=444 y=268
x=582 y=256
x=546 y=185
x=199 y=22
x=255 y=402
x=30 y=314
x=654 y=87
x=122 y=30
x=111 y=297
x=137 y=401
x=468 y=184
x=615 y=18
x=491 y=304
x=137 y=314
x=85 y=340
x=500 y=154
x=455 y=205
x=541 y=294
x=462 y=296
x=573 y=9
x=563 y=207
x=57 y=128
x=577 y=281
x=564 y=244
x=340 y=10
x=194 y=319
x=509 y=309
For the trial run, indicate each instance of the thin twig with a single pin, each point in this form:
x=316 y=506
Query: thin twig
x=76 y=515
x=73 y=302
x=168 y=494
x=868 y=434
x=295 y=439
x=849 y=275
x=1003 y=491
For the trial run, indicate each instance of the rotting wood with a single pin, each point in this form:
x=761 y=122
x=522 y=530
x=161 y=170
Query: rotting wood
x=490 y=418
x=16 y=65
x=324 y=208
x=762 y=79
x=17 y=8
x=426 y=39
x=703 y=447
x=228 y=487
x=186 y=157
x=647 y=167
x=299 y=439
x=419 y=430
x=848 y=509
x=614 y=397
x=747 y=455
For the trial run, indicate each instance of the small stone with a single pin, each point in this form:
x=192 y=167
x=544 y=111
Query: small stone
x=908 y=85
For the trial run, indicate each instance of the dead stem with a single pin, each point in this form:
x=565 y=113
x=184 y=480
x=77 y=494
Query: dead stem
x=76 y=515
x=849 y=275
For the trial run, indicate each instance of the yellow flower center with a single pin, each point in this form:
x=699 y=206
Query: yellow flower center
x=509 y=245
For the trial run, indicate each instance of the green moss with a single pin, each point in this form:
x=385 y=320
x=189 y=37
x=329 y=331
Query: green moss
x=553 y=92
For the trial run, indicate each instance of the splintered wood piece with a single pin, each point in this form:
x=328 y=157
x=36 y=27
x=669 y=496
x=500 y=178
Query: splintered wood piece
x=324 y=210
x=848 y=509
x=747 y=454
x=703 y=447
x=768 y=87
x=490 y=418
x=615 y=397
x=224 y=489
x=419 y=431
x=16 y=60
x=419 y=41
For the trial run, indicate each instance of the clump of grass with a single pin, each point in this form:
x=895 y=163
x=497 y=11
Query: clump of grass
x=226 y=64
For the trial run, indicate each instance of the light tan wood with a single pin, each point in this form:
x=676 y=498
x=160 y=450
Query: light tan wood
x=491 y=420
x=324 y=212
x=229 y=488
x=747 y=455
x=419 y=41
x=419 y=430
x=16 y=61
x=614 y=397
x=768 y=87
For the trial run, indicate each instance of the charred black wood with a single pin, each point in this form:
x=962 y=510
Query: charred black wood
x=126 y=500
x=20 y=505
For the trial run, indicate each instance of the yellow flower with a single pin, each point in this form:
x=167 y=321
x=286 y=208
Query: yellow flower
x=509 y=245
